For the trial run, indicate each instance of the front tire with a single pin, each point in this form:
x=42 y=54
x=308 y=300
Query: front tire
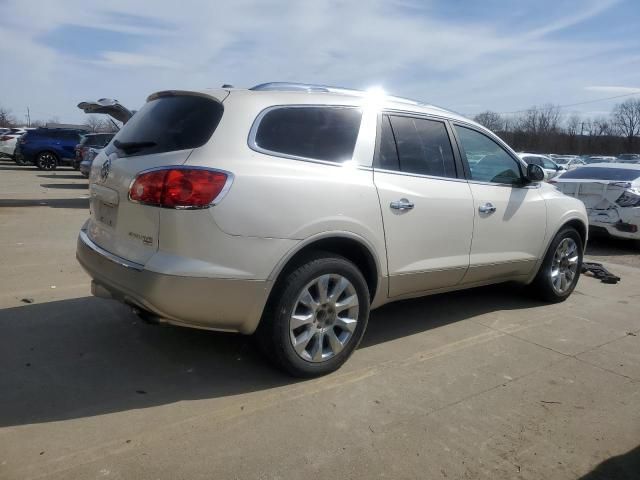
x=316 y=317
x=46 y=161
x=561 y=267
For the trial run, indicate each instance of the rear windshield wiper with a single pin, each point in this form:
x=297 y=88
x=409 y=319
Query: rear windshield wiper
x=133 y=146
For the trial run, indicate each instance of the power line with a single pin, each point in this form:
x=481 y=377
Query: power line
x=576 y=104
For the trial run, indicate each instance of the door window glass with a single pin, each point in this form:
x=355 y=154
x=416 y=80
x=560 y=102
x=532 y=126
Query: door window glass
x=495 y=166
x=423 y=146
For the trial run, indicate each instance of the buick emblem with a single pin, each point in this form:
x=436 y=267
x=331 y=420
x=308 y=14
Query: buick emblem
x=105 y=169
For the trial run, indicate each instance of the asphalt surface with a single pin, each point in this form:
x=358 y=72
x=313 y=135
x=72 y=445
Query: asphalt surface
x=486 y=383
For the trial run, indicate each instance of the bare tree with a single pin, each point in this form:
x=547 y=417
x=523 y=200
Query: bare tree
x=626 y=116
x=574 y=124
x=95 y=123
x=548 y=119
x=6 y=119
x=492 y=120
x=601 y=126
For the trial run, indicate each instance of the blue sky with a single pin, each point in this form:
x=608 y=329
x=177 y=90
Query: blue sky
x=465 y=55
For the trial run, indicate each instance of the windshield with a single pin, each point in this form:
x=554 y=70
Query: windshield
x=602 y=173
x=169 y=123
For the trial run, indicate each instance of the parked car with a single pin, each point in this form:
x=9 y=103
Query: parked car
x=598 y=159
x=107 y=106
x=628 y=157
x=47 y=148
x=611 y=194
x=568 y=161
x=8 y=141
x=551 y=168
x=88 y=148
x=290 y=211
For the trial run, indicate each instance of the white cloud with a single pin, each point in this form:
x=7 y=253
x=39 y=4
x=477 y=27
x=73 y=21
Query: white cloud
x=204 y=44
x=124 y=59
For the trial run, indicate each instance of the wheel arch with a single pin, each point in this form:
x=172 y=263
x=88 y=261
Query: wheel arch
x=574 y=222
x=346 y=244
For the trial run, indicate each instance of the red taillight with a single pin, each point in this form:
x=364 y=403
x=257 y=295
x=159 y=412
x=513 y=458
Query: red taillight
x=4 y=138
x=178 y=187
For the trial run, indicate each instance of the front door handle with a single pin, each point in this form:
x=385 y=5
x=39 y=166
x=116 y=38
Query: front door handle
x=487 y=208
x=402 y=204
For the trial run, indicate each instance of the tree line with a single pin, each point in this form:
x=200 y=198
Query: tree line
x=537 y=130
x=545 y=130
x=94 y=123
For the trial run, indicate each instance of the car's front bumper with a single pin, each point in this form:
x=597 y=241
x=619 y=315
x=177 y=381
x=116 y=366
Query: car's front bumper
x=209 y=303
x=620 y=222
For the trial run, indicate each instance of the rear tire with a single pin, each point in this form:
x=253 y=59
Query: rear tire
x=20 y=160
x=46 y=161
x=316 y=317
x=561 y=267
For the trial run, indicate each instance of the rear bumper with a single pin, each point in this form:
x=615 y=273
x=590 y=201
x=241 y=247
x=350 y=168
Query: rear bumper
x=208 y=303
x=85 y=169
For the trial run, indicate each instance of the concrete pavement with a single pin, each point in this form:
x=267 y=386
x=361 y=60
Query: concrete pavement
x=480 y=384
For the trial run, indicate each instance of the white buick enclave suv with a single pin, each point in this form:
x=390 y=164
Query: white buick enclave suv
x=290 y=211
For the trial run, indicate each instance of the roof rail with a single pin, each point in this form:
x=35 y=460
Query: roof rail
x=306 y=87
x=290 y=86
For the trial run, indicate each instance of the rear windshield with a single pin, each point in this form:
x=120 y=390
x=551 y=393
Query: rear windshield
x=100 y=140
x=602 y=173
x=319 y=133
x=169 y=123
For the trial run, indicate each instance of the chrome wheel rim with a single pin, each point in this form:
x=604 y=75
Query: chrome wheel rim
x=324 y=318
x=565 y=265
x=47 y=161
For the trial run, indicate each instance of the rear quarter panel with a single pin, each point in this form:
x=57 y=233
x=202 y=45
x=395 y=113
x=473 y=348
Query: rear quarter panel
x=275 y=197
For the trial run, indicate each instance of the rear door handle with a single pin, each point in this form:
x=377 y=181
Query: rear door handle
x=487 y=208
x=402 y=204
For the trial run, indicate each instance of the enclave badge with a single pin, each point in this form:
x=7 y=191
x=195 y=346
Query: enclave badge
x=105 y=169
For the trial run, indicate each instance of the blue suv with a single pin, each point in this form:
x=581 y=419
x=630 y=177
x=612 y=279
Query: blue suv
x=47 y=148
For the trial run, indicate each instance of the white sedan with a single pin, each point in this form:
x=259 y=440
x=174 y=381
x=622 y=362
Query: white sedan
x=9 y=139
x=551 y=168
x=611 y=194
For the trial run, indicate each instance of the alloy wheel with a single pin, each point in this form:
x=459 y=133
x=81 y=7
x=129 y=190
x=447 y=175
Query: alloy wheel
x=47 y=161
x=324 y=318
x=564 y=265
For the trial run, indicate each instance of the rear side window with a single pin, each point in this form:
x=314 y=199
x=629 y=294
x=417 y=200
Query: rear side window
x=602 y=173
x=170 y=123
x=318 y=133
x=423 y=147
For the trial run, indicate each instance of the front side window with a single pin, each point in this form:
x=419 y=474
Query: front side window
x=496 y=166
x=416 y=145
x=313 y=132
x=548 y=164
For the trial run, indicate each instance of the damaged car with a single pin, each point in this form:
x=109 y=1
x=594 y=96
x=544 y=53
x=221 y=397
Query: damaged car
x=611 y=194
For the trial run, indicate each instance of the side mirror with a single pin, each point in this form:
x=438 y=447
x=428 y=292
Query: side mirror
x=535 y=173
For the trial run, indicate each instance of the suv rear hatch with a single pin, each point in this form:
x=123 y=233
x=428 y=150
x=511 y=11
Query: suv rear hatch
x=164 y=132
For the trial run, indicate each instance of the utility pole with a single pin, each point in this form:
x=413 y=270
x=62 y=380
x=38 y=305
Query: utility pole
x=28 y=118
